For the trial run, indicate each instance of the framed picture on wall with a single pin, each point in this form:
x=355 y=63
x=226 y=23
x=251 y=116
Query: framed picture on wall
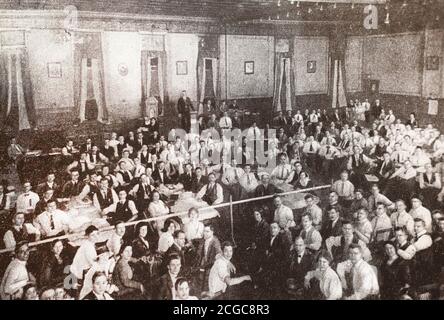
x=311 y=66
x=372 y=86
x=181 y=68
x=432 y=63
x=249 y=67
x=54 y=70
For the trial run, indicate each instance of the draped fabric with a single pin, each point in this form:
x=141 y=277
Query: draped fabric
x=88 y=46
x=208 y=50
x=83 y=88
x=283 y=88
x=202 y=67
x=97 y=85
x=338 y=75
x=147 y=81
x=16 y=95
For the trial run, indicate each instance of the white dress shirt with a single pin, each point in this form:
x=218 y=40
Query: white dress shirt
x=27 y=201
x=365 y=281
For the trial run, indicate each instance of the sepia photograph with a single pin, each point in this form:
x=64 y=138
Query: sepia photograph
x=259 y=151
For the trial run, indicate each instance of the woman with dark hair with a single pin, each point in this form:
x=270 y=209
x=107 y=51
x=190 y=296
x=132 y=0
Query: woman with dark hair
x=323 y=282
x=166 y=239
x=123 y=276
x=157 y=208
x=53 y=266
x=148 y=262
x=30 y=292
x=303 y=182
x=395 y=274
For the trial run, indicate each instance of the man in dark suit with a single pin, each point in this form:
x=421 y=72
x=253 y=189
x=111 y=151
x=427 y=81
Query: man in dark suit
x=49 y=184
x=186 y=178
x=180 y=249
x=164 y=288
x=73 y=187
x=207 y=252
x=332 y=227
x=100 y=284
x=87 y=147
x=139 y=142
x=199 y=180
x=301 y=261
x=273 y=270
x=184 y=107
x=160 y=175
x=376 y=109
x=157 y=150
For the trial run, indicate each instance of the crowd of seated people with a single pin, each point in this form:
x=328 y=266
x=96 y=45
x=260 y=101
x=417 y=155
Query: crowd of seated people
x=378 y=234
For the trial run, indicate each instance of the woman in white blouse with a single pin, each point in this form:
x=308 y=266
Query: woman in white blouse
x=330 y=285
x=157 y=208
x=166 y=239
x=194 y=228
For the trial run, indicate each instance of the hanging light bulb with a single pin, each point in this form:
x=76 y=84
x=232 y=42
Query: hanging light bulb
x=292 y=2
x=335 y=6
x=298 y=4
x=321 y=8
x=288 y=14
x=278 y=16
x=299 y=13
x=279 y=3
x=309 y=10
x=387 y=18
x=353 y=5
x=404 y=4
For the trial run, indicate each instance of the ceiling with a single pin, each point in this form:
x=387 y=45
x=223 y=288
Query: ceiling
x=411 y=11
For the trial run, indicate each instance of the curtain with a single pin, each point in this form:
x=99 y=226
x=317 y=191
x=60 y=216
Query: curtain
x=16 y=95
x=147 y=82
x=277 y=83
x=83 y=88
x=23 y=113
x=338 y=45
x=202 y=89
x=98 y=89
x=283 y=83
x=4 y=88
x=88 y=46
x=334 y=100
x=215 y=73
x=342 y=99
x=160 y=76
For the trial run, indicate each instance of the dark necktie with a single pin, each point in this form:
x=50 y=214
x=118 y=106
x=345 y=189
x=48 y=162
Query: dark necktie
x=52 y=222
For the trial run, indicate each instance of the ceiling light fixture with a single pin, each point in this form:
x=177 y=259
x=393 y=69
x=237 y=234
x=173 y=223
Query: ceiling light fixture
x=335 y=6
x=279 y=3
x=309 y=10
x=298 y=4
x=288 y=14
x=321 y=8
x=353 y=5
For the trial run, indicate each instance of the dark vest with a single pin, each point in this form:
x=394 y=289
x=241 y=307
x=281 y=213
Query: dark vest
x=93 y=189
x=105 y=202
x=21 y=235
x=210 y=194
x=140 y=192
x=82 y=172
x=144 y=159
x=123 y=211
x=361 y=162
x=126 y=176
x=426 y=179
x=3 y=202
x=341 y=253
